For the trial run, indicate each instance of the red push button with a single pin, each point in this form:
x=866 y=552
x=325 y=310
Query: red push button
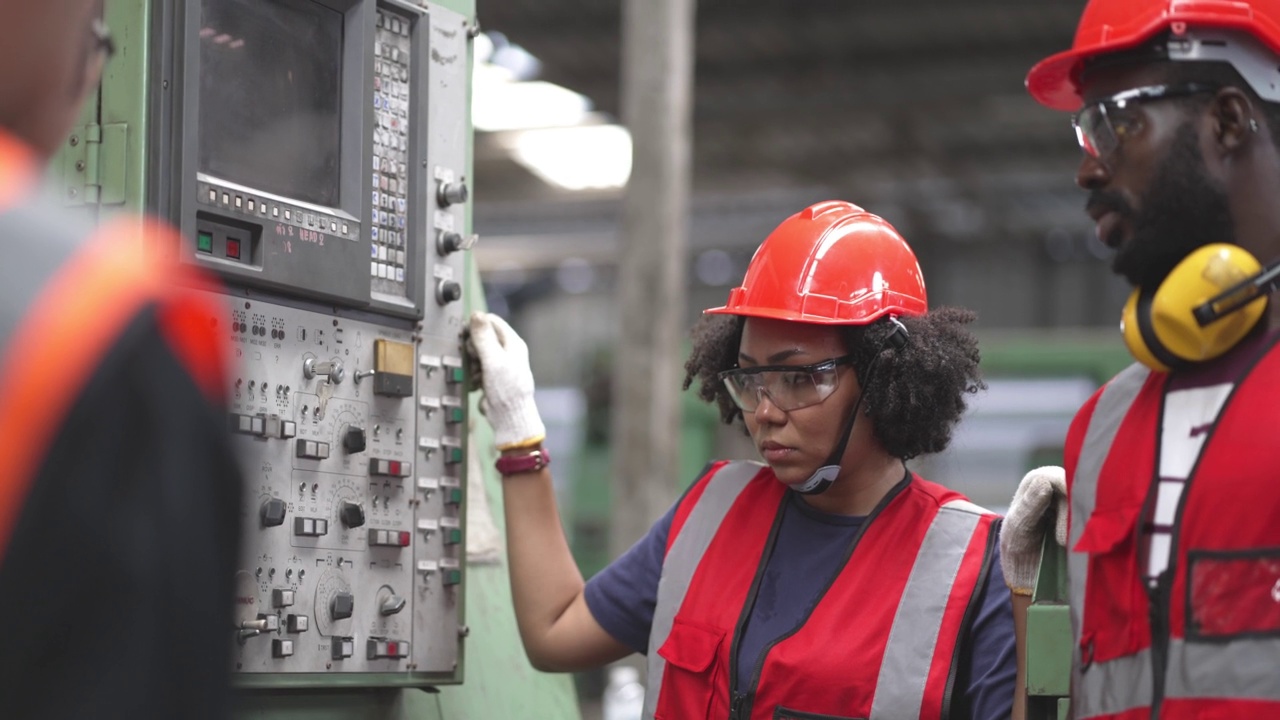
x=233 y=249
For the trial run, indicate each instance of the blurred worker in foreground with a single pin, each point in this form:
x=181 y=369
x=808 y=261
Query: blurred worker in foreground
x=1174 y=531
x=119 y=500
x=829 y=582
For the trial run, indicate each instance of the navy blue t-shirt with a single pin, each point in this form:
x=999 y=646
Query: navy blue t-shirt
x=809 y=551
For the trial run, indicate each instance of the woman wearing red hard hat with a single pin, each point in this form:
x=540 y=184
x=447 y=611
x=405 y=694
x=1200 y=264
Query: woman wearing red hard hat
x=828 y=581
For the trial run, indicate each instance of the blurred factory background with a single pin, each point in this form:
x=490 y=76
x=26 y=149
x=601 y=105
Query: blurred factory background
x=914 y=109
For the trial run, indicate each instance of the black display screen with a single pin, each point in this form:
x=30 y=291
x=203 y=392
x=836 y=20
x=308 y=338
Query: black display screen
x=271 y=96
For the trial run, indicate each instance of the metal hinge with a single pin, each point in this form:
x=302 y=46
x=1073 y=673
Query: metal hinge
x=96 y=165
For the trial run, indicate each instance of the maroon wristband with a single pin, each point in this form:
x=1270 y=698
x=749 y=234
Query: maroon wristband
x=526 y=463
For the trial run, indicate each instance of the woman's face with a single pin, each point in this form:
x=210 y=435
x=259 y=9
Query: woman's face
x=797 y=442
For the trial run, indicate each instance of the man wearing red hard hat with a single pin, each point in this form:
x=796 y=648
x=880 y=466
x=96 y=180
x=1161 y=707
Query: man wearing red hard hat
x=1173 y=536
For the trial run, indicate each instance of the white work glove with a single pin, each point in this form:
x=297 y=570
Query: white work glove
x=1040 y=496
x=507 y=382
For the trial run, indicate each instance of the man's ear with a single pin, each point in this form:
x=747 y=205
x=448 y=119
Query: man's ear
x=1235 y=119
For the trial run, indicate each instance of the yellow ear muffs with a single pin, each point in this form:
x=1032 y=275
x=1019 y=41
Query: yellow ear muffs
x=1160 y=326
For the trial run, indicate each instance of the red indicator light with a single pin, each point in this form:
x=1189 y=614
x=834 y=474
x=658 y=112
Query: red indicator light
x=404 y=539
x=395 y=467
x=393 y=649
x=233 y=249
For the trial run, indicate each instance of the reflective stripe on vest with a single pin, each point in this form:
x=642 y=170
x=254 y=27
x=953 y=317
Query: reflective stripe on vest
x=904 y=670
x=682 y=560
x=913 y=637
x=1122 y=683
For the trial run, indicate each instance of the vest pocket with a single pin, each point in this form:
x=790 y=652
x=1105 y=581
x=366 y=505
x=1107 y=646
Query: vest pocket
x=1233 y=593
x=688 y=680
x=781 y=713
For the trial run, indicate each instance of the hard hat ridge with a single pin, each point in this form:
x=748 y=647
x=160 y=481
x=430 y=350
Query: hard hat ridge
x=832 y=263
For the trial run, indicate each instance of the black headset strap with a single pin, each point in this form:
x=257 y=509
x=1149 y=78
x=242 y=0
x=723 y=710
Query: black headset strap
x=897 y=339
x=1148 y=332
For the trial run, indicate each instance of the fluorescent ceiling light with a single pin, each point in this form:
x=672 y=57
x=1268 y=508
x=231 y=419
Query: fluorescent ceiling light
x=588 y=157
x=503 y=105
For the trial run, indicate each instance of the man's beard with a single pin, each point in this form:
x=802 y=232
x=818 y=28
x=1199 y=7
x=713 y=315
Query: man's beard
x=1183 y=209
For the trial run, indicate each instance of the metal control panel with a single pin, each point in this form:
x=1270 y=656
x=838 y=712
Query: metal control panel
x=352 y=439
x=332 y=203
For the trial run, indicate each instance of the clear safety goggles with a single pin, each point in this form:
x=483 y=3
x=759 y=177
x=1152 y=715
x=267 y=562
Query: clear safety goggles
x=788 y=387
x=1101 y=126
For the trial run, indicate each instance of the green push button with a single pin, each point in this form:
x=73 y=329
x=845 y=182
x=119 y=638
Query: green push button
x=453 y=455
x=204 y=242
x=455 y=375
x=454 y=416
x=452 y=577
x=453 y=497
x=453 y=537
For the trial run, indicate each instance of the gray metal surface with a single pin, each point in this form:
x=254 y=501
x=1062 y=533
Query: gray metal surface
x=268 y=383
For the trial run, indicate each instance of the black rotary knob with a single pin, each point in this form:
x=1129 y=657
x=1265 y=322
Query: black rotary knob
x=352 y=514
x=448 y=291
x=342 y=605
x=354 y=440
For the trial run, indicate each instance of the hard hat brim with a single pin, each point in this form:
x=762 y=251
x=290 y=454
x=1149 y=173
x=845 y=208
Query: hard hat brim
x=794 y=316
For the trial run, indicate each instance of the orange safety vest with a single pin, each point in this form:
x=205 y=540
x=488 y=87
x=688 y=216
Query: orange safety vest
x=66 y=295
x=883 y=641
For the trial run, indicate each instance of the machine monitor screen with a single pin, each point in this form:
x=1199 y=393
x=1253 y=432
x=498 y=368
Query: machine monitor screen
x=270 y=96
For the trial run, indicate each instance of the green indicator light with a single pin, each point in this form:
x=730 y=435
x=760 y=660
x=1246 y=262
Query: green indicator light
x=204 y=242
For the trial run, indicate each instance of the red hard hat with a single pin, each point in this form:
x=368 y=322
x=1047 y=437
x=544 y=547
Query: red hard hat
x=1110 y=25
x=832 y=263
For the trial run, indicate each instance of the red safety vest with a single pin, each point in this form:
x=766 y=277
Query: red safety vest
x=65 y=298
x=1207 y=645
x=882 y=642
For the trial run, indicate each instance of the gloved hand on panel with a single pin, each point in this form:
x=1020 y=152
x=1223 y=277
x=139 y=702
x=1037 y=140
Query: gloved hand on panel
x=1041 y=499
x=507 y=382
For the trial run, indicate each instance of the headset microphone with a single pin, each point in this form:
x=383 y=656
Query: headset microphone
x=1236 y=297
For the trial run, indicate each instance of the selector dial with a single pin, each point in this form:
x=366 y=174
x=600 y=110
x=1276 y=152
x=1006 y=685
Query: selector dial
x=352 y=514
x=354 y=440
x=342 y=606
x=331 y=586
x=452 y=193
x=448 y=291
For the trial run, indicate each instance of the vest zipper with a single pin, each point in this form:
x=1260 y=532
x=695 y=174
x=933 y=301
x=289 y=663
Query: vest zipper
x=740 y=702
x=737 y=699
x=1159 y=639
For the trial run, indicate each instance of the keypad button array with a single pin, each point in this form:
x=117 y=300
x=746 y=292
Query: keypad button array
x=390 y=177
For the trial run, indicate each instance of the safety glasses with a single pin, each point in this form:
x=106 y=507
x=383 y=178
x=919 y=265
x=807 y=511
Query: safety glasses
x=1101 y=126
x=788 y=387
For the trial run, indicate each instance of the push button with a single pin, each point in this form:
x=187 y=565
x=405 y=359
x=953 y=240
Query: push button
x=343 y=647
x=281 y=648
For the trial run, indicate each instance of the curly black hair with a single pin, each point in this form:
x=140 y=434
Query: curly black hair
x=916 y=394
